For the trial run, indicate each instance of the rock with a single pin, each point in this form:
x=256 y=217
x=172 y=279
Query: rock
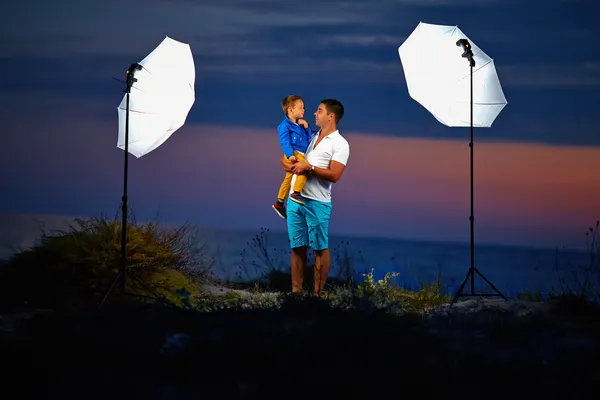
x=242 y=352
x=218 y=290
x=487 y=310
x=175 y=343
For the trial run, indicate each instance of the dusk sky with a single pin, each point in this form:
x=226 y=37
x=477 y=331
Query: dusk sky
x=537 y=169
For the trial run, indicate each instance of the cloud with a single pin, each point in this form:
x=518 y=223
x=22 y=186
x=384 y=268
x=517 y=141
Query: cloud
x=548 y=75
x=263 y=39
x=361 y=40
x=109 y=27
x=264 y=5
x=393 y=186
x=346 y=70
x=366 y=70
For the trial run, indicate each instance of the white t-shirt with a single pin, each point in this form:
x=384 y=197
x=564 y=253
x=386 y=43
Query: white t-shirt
x=332 y=147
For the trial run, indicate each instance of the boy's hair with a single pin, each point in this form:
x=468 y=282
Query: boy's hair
x=334 y=106
x=289 y=101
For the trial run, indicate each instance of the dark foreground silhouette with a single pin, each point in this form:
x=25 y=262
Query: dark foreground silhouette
x=306 y=349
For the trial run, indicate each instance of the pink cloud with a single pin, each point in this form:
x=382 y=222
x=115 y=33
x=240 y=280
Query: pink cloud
x=524 y=193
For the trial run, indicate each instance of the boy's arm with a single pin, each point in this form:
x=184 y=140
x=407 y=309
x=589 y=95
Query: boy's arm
x=304 y=123
x=284 y=140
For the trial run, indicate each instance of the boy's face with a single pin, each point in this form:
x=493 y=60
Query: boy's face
x=297 y=110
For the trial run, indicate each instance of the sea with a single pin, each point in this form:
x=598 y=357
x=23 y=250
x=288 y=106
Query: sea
x=246 y=255
x=243 y=255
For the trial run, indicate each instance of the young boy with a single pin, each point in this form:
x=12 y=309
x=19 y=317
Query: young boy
x=294 y=135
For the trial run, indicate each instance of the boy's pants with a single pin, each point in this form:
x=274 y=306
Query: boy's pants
x=298 y=184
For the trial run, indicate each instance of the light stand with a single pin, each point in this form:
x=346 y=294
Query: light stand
x=123 y=264
x=468 y=54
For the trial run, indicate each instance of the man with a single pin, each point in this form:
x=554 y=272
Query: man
x=308 y=224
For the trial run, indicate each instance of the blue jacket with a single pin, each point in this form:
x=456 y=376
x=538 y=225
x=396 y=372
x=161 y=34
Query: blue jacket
x=293 y=137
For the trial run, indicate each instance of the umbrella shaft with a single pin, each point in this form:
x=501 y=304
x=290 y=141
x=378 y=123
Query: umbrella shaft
x=123 y=263
x=472 y=217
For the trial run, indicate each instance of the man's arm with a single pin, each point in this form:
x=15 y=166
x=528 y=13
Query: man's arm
x=341 y=154
x=286 y=165
x=331 y=174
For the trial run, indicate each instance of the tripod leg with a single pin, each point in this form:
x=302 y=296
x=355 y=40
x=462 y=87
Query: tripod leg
x=460 y=289
x=112 y=285
x=142 y=284
x=491 y=284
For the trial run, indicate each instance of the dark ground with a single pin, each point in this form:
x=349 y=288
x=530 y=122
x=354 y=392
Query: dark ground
x=304 y=350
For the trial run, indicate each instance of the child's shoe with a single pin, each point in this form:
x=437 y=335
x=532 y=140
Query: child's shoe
x=280 y=209
x=297 y=197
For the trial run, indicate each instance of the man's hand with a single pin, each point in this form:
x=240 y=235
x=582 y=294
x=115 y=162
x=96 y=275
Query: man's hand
x=331 y=174
x=293 y=159
x=301 y=167
x=303 y=123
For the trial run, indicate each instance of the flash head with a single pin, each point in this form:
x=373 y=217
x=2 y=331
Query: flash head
x=464 y=43
x=468 y=53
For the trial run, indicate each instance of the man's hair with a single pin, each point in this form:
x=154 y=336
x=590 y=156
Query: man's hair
x=289 y=101
x=334 y=106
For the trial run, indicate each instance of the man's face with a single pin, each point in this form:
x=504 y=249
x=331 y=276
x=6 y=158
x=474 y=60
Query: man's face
x=321 y=116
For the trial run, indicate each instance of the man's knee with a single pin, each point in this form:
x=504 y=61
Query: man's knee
x=299 y=251
x=296 y=224
x=319 y=237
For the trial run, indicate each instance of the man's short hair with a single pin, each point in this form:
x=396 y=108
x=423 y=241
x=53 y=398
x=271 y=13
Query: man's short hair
x=289 y=101
x=334 y=106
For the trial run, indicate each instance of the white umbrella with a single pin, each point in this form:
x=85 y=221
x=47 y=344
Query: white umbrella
x=437 y=77
x=457 y=89
x=160 y=99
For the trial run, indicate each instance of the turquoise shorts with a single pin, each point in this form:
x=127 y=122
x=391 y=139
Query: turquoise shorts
x=308 y=224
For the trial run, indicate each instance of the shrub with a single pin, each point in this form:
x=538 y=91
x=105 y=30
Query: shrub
x=76 y=267
x=582 y=279
x=384 y=294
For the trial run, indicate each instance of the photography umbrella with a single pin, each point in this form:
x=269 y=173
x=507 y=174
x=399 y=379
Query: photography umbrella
x=157 y=100
x=457 y=89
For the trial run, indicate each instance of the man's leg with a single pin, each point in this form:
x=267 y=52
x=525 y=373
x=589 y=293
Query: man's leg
x=322 y=265
x=317 y=217
x=298 y=236
x=298 y=264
